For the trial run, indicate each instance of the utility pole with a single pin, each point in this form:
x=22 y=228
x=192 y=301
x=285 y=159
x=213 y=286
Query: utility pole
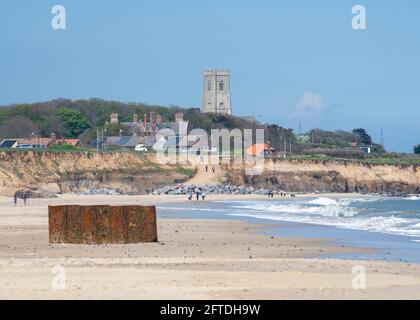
x=285 y=144
x=99 y=139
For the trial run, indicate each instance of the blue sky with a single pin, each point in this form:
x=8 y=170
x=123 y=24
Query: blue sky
x=290 y=61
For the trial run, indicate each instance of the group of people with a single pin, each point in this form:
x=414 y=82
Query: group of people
x=198 y=194
x=148 y=191
x=270 y=194
x=213 y=169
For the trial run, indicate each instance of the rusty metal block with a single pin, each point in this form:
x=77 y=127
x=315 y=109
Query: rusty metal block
x=102 y=224
x=88 y=220
x=73 y=224
x=148 y=224
x=118 y=225
x=57 y=223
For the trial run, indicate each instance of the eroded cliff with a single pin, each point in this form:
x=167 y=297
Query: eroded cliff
x=74 y=172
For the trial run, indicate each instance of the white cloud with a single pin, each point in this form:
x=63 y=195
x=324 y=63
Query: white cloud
x=309 y=106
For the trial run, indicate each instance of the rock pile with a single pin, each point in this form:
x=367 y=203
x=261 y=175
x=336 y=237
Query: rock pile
x=213 y=189
x=94 y=192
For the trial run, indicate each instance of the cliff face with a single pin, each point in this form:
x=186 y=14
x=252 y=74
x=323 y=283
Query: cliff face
x=73 y=172
x=129 y=173
x=331 y=176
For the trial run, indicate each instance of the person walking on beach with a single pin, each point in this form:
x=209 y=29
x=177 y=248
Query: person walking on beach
x=213 y=169
x=24 y=198
x=197 y=194
x=207 y=168
x=190 y=196
x=203 y=196
x=15 y=199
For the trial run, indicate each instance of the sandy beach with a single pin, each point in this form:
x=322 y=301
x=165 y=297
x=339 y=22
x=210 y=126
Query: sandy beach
x=194 y=259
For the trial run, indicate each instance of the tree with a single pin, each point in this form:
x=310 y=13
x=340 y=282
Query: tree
x=364 y=137
x=75 y=122
x=416 y=149
x=17 y=127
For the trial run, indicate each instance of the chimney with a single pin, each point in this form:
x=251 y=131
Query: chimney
x=153 y=120
x=159 y=119
x=135 y=118
x=114 y=117
x=179 y=117
x=145 y=121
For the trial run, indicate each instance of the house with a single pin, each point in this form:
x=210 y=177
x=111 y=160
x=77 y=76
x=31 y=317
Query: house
x=125 y=142
x=365 y=149
x=8 y=143
x=35 y=141
x=257 y=149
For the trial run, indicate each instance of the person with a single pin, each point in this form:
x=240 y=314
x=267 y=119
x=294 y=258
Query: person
x=189 y=196
x=207 y=168
x=197 y=195
x=203 y=196
x=15 y=199
x=24 y=198
x=213 y=169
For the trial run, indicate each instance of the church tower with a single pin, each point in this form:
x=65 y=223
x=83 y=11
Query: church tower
x=216 y=97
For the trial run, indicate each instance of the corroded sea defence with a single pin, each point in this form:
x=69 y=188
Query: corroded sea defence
x=102 y=224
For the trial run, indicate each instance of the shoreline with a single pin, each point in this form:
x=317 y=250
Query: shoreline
x=194 y=259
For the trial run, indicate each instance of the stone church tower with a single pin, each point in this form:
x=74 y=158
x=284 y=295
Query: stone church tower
x=216 y=96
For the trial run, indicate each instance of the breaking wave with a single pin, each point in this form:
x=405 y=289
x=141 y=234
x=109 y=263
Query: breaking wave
x=370 y=214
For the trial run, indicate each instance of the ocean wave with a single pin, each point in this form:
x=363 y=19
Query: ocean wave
x=390 y=225
x=412 y=198
x=338 y=212
x=330 y=211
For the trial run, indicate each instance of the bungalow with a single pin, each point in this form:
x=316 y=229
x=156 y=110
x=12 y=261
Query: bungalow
x=37 y=142
x=259 y=149
x=8 y=143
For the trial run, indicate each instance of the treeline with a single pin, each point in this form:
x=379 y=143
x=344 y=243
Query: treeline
x=81 y=118
x=70 y=118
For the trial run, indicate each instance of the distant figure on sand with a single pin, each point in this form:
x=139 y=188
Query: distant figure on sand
x=207 y=168
x=189 y=195
x=203 y=196
x=197 y=195
x=213 y=169
x=20 y=195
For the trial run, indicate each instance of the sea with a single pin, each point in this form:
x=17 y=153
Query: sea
x=389 y=226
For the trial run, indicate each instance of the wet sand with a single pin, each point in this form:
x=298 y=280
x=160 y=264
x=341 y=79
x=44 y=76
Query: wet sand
x=194 y=259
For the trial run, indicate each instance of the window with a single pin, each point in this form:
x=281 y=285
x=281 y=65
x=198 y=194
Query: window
x=221 y=86
x=209 y=85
